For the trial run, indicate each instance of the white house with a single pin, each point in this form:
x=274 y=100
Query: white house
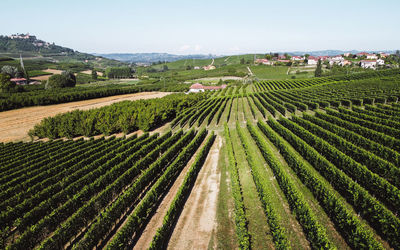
x=344 y=63
x=312 y=60
x=368 y=64
x=297 y=58
x=337 y=58
x=372 y=57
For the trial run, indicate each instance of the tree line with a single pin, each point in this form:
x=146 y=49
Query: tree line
x=124 y=117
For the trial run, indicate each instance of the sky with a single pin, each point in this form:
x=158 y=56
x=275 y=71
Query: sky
x=219 y=27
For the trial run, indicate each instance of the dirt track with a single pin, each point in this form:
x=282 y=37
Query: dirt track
x=198 y=219
x=15 y=124
x=158 y=218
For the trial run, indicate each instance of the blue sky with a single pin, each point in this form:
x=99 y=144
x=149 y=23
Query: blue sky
x=217 y=27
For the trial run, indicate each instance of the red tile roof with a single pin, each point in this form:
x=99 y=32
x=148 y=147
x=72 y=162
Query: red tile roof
x=200 y=86
x=17 y=79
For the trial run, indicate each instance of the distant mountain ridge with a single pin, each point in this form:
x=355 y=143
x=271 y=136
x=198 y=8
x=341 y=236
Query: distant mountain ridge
x=152 y=57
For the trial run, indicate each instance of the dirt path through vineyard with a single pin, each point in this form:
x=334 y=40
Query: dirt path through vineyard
x=197 y=222
x=15 y=124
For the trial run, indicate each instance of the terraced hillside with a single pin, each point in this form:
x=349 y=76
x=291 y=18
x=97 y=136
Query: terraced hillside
x=302 y=164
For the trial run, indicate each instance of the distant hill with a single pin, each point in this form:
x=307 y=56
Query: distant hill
x=152 y=57
x=149 y=58
x=32 y=48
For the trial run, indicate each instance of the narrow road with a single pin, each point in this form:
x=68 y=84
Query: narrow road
x=251 y=73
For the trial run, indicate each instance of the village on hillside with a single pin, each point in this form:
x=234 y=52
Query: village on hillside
x=363 y=59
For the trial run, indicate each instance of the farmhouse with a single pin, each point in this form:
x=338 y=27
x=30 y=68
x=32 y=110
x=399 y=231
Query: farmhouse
x=312 y=60
x=198 y=87
x=297 y=58
x=368 y=64
x=18 y=81
x=344 y=63
x=362 y=54
x=337 y=58
x=323 y=58
x=372 y=57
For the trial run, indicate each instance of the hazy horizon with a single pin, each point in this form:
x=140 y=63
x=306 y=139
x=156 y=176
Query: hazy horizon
x=207 y=27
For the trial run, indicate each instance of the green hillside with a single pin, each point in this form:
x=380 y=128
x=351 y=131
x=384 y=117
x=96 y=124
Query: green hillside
x=32 y=48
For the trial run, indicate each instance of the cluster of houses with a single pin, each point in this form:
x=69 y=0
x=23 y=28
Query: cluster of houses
x=27 y=36
x=366 y=60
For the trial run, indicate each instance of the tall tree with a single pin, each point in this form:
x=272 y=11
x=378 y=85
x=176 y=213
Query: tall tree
x=9 y=70
x=318 y=70
x=94 y=74
x=5 y=84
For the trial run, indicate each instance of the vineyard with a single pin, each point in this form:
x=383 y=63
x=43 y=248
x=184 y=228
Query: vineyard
x=307 y=164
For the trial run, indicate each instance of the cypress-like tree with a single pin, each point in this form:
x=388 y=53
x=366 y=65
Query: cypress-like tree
x=318 y=70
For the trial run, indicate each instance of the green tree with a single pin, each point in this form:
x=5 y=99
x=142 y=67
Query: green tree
x=242 y=60
x=287 y=56
x=268 y=57
x=57 y=81
x=188 y=67
x=165 y=67
x=318 y=70
x=5 y=84
x=94 y=74
x=70 y=77
x=10 y=70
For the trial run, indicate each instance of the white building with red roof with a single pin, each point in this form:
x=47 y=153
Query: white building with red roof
x=297 y=58
x=198 y=87
x=18 y=81
x=337 y=58
x=372 y=57
x=362 y=54
x=312 y=60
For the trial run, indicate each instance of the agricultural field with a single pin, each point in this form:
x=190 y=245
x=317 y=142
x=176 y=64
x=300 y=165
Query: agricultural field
x=272 y=164
x=270 y=72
